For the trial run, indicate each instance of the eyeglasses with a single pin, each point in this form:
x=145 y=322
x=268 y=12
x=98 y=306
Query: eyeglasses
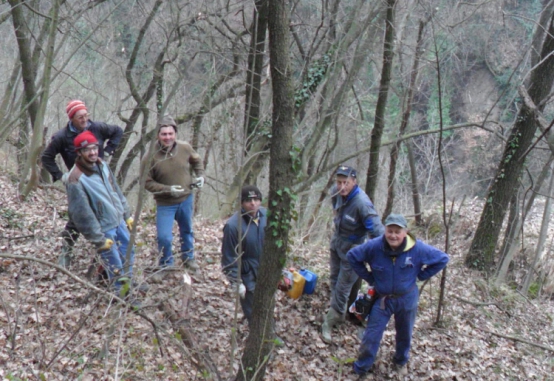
x=90 y=148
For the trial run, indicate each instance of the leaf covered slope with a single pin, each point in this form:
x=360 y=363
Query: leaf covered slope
x=56 y=328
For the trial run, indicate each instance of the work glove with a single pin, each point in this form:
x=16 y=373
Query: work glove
x=107 y=245
x=65 y=178
x=242 y=291
x=199 y=182
x=177 y=191
x=130 y=222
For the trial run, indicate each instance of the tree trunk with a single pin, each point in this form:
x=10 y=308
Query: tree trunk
x=281 y=200
x=514 y=230
x=415 y=189
x=254 y=74
x=482 y=252
x=404 y=123
x=542 y=237
x=37 y=100
x=380 y=108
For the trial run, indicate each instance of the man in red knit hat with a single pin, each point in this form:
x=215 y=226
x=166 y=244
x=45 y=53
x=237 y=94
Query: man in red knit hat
x=108 y=137
x=100 y=212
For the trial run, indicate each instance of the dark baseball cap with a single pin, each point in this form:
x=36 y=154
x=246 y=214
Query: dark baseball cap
x=345 y=170
x=396 y=219
x=250 y=191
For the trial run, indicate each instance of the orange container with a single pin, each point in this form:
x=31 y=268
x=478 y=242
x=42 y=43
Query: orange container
x=298 y=282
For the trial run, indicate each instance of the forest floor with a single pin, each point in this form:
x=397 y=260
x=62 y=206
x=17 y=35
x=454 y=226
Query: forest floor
x=55 y=325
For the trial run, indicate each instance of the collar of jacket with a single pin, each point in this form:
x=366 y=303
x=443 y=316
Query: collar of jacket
x=72 y=128
x=248 y=216
x=167 y=150
x=86 y=168
x=352 y=193
x=408 y=243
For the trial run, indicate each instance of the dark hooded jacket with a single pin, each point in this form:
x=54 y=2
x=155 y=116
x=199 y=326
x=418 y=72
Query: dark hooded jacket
x=62 y=143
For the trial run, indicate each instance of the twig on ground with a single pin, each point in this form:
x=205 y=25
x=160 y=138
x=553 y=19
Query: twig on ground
x=546 y=348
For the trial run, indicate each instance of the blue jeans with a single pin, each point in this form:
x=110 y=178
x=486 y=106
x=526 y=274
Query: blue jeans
x=165 y=215
x=114 y=258
x=404 y=310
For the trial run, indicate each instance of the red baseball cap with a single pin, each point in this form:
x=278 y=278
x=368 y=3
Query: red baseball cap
x=84 y=139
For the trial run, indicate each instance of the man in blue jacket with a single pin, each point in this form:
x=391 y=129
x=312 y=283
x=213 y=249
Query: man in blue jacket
x=355 y=221
x=249 y=224
x=108 y=137
x=100 y=211
x=396 y=260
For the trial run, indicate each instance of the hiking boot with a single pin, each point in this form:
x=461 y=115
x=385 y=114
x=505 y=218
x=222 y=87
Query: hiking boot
x=329 y=321
x=191 y=264
x=140 y=287
x=401 y=370
x=135 y=303
x=362 y=375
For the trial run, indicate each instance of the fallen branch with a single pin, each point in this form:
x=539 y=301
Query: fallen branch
x=546 y=348
x=17 y=237
x=89 y=285
x=54 y=187
x=178 y=318
x=482 y=304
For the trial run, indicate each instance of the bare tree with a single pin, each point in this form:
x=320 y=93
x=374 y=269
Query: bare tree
x=380 y=108
x=482 y=252
x=281 y=199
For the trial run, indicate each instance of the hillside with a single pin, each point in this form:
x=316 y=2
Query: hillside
x=55 y=327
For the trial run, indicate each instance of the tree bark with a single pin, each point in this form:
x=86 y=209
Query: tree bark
x=380 y=108
x=281 y=199
x=482 y=252
x=37 y=100
x=404 y=123
x=416 y=199
x=514 y=230
x=542 y=237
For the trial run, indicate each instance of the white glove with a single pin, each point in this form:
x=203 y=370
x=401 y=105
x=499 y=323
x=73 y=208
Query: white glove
x=65 y=178
x=242 y=291
x=199 y=181
x=177 y=191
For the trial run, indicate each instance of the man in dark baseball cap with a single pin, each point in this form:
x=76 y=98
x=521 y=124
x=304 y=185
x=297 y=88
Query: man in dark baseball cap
x=250 y=223
x=355 y=220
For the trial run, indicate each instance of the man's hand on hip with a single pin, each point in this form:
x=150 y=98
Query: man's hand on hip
x=177 y=191
x=199 y=182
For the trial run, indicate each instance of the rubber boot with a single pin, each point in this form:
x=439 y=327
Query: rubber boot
x=64 y=260
x=332 y=318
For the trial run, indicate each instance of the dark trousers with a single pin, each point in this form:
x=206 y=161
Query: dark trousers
x=70 y=234
x=404 y=310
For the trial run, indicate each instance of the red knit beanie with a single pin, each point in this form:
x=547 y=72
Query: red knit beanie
x=74 y=106
x=84 y=139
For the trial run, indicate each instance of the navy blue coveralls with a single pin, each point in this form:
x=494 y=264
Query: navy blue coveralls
x=394 y=275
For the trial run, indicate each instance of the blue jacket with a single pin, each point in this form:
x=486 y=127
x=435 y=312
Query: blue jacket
x=396 y=273
x=96 y=203
x=355 y=219
x=252 y=247
x=62 y=143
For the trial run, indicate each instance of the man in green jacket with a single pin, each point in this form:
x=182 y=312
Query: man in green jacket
x=170 y=181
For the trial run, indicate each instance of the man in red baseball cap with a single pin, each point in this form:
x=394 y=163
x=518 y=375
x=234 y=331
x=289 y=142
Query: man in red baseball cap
x=108 y=137
x=100 y=211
